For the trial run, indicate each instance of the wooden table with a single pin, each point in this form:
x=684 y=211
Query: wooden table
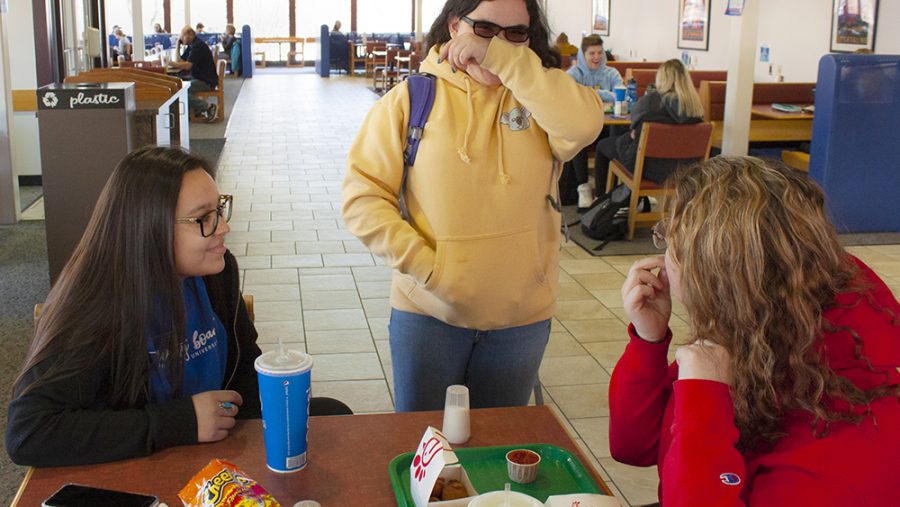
x=279 y=41
x=609 y=119
x=771 y=125
x=348 y=457
x=770 y=113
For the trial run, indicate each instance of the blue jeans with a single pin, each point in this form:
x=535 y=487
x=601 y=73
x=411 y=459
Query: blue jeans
x=197 y=104
x=500 y=367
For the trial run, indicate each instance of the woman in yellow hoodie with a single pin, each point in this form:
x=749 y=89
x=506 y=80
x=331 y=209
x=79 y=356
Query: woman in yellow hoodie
x=476 y=266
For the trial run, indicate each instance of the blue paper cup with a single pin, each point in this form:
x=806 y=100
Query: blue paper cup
x=284 y=391
x=620 y=93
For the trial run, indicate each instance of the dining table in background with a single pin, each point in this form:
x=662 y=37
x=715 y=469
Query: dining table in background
x=770 y=113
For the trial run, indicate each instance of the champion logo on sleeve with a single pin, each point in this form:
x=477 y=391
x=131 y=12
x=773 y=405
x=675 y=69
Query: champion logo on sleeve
x=730 y=479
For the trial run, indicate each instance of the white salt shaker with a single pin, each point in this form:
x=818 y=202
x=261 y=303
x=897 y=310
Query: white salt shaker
x=456 y=415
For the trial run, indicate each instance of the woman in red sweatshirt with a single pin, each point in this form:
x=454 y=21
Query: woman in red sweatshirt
x=787 y=391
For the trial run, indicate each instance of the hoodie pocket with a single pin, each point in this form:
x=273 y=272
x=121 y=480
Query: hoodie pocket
x=494 y=280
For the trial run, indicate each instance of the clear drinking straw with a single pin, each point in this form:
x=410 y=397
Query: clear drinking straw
x=282 y=353
x=506 y=488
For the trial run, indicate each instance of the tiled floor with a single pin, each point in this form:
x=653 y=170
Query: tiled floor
x=317 y=287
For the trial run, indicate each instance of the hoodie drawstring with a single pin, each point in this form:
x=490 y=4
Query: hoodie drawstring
x=504 y=176
x=463 y=150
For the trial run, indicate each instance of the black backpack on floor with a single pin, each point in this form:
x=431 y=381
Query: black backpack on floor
x=602 y=221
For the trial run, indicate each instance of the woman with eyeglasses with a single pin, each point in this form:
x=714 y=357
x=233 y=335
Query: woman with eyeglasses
x=476 y=265
x=786 y=389
x=143 y=342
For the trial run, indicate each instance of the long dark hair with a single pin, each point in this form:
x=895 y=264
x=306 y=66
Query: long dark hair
x=120 y=280
x=538 y=30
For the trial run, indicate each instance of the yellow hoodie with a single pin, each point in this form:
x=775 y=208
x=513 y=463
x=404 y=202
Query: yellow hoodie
x=483 y=248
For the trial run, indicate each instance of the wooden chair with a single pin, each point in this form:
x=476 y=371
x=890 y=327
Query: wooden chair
x=658 y=140
x=262 y=54
x=218 y=93
x=796 y=159
x=371 y=47
x=356 y=55
x=385 y=69
x=299 y=49
x=248 y=303
x=404 y=65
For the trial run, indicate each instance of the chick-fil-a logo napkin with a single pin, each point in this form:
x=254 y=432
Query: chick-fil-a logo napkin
x=432 y=454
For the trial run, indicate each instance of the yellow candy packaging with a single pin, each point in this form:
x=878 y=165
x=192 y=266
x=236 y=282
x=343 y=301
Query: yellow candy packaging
x=221 y=484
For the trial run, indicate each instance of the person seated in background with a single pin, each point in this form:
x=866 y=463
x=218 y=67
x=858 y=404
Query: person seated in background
x=673 y=100
x=124 y=47
x=566 y=50
x=157 y=28
x=113 y=43
x=339 y=48
x=197 y=58
x=590 y=70
x=116 y=369
x=228 y=39
x=201 y=28
x=786 y=390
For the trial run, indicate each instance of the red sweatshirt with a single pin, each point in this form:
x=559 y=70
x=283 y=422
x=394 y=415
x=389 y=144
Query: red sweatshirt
x=686 y=427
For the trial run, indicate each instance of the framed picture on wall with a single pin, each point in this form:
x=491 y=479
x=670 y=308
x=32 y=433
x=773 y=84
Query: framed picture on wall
x=693 y=24
x=853 y=25
x=600 y=17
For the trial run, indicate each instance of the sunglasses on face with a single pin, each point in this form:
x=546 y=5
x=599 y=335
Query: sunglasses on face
x=486 y=29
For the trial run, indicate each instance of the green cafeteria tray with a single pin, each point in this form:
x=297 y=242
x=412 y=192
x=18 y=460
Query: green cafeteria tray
x=559 y=473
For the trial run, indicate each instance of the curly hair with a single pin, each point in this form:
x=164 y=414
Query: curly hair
x=760 y=263
x=538 y=29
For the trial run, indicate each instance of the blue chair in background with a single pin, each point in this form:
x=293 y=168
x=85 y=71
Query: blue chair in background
x=854 y=153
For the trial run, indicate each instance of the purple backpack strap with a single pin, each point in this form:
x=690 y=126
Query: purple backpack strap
x=421 y=99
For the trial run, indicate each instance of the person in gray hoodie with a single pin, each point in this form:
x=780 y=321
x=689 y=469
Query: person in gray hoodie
x=591 y=71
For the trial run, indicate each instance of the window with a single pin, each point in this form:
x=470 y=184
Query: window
x=431 y=9
x=266 y=19
x=384 y=16
x=152 y=10
x=209 y=12
x=312 y=14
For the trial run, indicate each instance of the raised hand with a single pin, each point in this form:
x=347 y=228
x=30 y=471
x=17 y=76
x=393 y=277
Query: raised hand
x=647 y=299
x=464 y=50
x=215 y=412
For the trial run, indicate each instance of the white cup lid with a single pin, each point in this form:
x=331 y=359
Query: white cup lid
x=291 y=361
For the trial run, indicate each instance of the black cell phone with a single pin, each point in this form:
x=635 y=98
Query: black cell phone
x=78 y=495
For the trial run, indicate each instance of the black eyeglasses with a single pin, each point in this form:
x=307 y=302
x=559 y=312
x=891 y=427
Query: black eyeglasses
x=659 y=235
x=209 y=221
x=486 y=29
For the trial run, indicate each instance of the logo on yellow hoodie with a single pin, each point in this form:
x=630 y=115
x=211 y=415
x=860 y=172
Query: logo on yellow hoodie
x=517 y=119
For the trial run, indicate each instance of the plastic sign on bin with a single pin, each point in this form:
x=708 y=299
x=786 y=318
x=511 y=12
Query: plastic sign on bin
x=81 y=96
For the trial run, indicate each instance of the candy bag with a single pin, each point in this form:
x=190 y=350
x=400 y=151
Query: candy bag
x=221 y=484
